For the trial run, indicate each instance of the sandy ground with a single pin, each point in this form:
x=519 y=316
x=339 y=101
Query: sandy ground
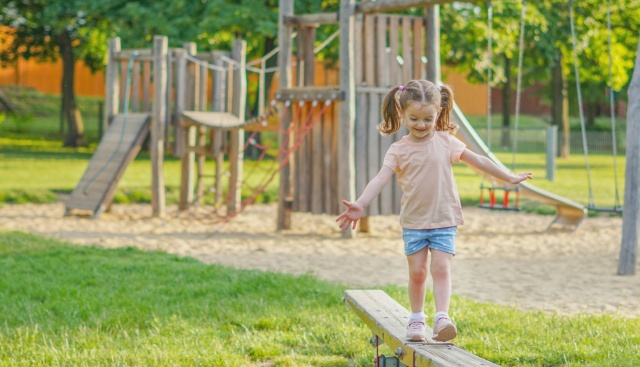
x=503 y=257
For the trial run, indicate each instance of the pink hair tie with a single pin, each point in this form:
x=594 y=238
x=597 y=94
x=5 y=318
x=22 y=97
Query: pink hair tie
x=401 y=88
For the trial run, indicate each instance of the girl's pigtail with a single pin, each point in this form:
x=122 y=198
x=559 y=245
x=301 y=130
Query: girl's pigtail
x=390 y=113
x=446 y=103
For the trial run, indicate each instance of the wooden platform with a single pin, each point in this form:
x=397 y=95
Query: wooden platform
x=118 y=147
x=388 y=321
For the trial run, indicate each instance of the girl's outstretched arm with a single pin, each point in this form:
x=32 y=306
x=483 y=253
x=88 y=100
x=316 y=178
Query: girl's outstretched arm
x=354 y=209
x=486 y=165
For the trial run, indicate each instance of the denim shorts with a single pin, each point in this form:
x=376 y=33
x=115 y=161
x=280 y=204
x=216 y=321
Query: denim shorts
x=442 y=239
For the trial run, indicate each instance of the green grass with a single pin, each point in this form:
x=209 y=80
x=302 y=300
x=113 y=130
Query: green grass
x=29 y=161
x=67 y=305
x=39 y=168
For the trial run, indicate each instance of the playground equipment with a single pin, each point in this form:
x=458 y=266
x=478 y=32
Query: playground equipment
x=196 y=103
x=394 y=47
x=387 y=319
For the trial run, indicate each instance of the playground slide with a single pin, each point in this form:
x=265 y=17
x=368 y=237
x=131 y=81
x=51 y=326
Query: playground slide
x=118 y=147
x=569 y=212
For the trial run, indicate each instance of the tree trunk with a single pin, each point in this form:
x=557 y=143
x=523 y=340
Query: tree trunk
x=70 y=112
x=506 y=104
x=559 y=103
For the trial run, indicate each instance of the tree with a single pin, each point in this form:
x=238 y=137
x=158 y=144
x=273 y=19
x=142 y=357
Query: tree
x=548 y=50
x=48 y=30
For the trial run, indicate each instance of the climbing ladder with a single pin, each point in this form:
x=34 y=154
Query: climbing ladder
x=118 y=147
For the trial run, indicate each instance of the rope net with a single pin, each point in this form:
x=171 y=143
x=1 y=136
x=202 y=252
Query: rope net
x=259 y=173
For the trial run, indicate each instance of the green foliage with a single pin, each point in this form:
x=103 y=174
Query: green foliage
x=547 y=34
x=36 y=28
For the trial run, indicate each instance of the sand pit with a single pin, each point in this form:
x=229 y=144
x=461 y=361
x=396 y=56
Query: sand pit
x=503 y=257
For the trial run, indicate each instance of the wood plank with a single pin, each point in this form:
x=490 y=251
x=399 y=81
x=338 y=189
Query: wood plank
x=358 y=51
x=156 y=147
x=112 y=84
x=316 y=173
x=386 y=196
x=123 y=85
x=236 y=136
x=388 y=320
x=135 y=87
x=432 y=17
x=394 y=68
x=284 y=81
x=383 y=6
x=373 y=147
x=369 y=50
x=146 y=86
x=216 y=120
x=382 y=69
x=314 y=93
x=407 y=67
x=106 y=167
x=419 y=69
x=397 y=191
x=311 y=19
x=361 y=145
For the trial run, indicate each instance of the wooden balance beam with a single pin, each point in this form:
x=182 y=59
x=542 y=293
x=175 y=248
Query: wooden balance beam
x=388 y=321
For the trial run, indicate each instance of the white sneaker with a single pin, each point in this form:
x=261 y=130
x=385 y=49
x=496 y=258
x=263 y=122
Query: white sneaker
x=444 y=329
x=416 y=331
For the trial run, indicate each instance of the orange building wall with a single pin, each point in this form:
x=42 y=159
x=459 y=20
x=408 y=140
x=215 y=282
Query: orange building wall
x=47 y=77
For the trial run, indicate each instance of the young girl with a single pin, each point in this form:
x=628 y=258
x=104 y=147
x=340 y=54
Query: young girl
x=430 y=208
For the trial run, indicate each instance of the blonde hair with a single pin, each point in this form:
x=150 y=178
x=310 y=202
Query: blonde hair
x=422 y=91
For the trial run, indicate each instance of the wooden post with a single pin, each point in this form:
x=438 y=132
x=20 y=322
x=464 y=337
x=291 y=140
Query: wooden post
x=285 y=193
x=236 y=136
x=432 y=16
x=112 y=84
x=218 y=96
x=631 y=213
x=160 y=50
x=202 y=131
x=347 y=112
x=182 y=136
x=552 y=146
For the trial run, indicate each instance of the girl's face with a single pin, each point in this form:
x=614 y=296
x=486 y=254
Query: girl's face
x=420 y=119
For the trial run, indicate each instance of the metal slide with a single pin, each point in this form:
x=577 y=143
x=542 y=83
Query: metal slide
x=569 y=212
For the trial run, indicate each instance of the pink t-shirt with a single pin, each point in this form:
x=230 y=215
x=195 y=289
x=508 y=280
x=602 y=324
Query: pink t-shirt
x=429 y=193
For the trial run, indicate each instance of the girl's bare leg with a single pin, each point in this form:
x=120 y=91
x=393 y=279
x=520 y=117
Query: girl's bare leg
x=418 y=270
x=441 y=273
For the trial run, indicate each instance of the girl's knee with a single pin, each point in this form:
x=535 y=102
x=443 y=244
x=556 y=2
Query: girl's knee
x=418 y=274
x=440 y=269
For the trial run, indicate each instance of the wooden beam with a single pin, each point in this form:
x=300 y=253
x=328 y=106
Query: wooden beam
x=387 y=319
x=236 y=136
x=347 y=111
x=160 y=51
x=311 y=19
x=309 y=94
x=434 y=70
x=395 y=5
x=112 y=84
x=285 y=194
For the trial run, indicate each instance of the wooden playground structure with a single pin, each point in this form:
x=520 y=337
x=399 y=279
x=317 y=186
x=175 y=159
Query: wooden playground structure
x=196 y=103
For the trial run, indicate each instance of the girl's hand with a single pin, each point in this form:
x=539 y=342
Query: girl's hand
x=519 y=177
x=350 y=216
